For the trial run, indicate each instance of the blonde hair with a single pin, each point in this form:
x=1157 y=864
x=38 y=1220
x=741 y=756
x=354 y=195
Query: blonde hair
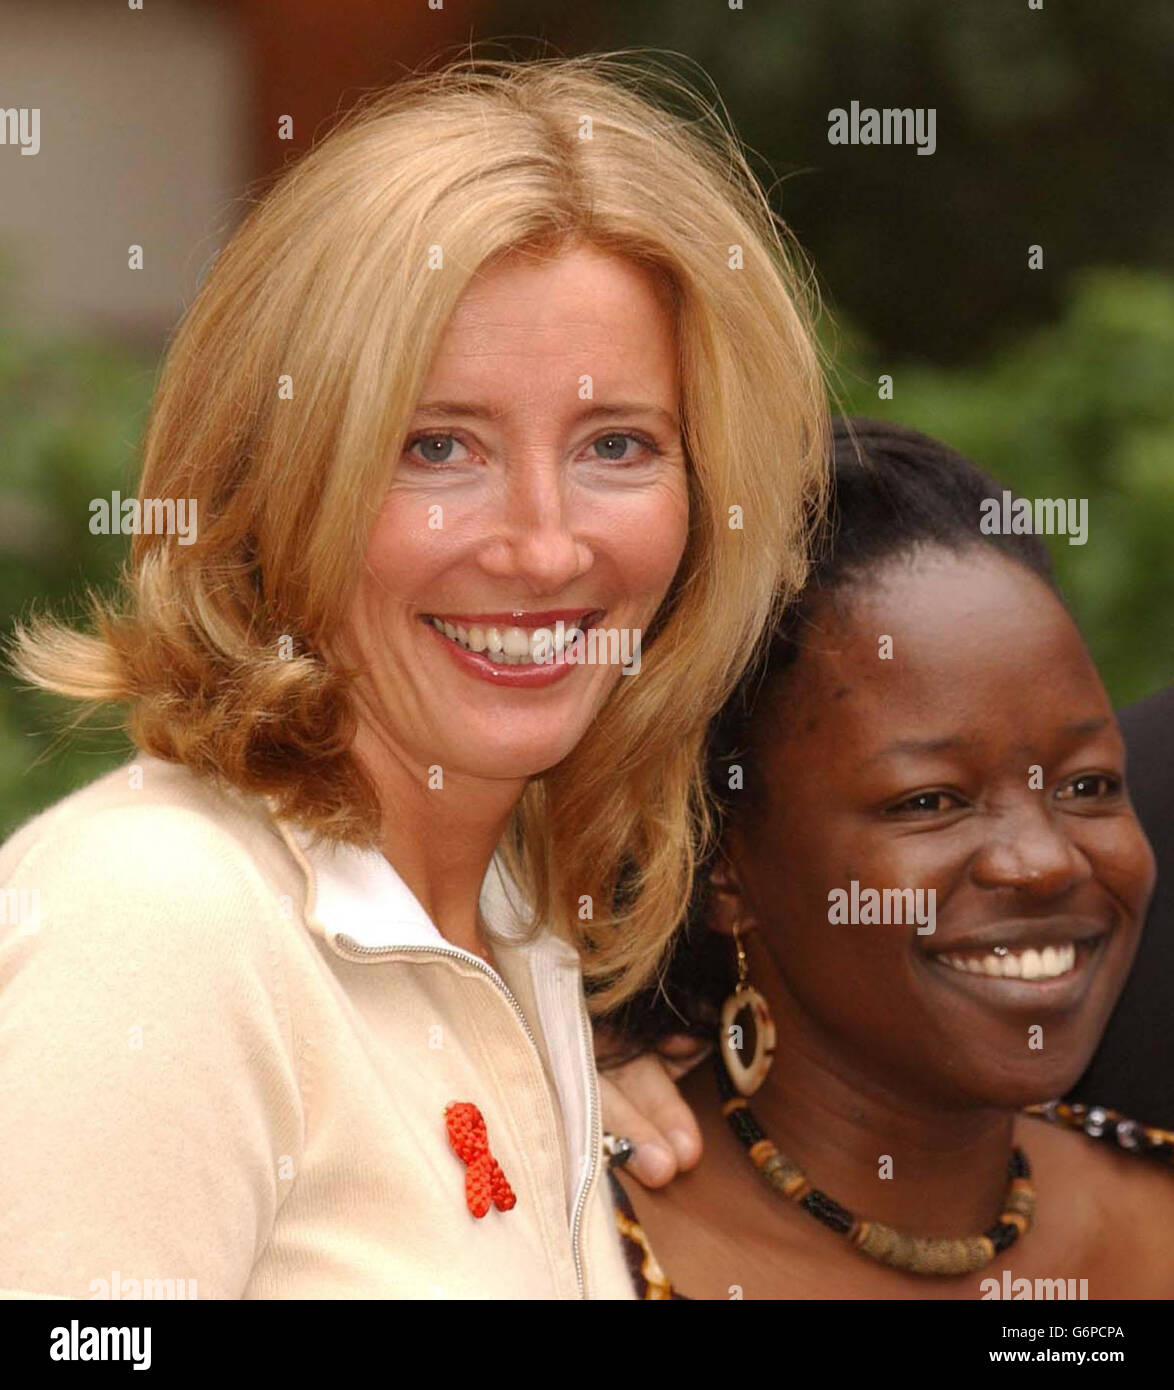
x=328 y=282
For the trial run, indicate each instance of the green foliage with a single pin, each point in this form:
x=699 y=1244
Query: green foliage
x=73 y=412
x=1082 y=408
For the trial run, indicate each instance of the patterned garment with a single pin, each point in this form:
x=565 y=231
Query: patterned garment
x=647 y=1276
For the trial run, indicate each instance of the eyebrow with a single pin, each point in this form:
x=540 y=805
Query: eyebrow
x=1086 y=726
x=471 y=410
x=907 y=746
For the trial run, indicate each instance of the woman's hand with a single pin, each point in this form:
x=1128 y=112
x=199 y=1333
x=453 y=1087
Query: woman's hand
x=641 y=1103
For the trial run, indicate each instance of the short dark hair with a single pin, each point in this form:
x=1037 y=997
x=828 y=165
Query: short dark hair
x=894 y=490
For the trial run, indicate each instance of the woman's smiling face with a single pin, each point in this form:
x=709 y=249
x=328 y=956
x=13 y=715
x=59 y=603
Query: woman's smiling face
x=542 y=481
x=981 y=762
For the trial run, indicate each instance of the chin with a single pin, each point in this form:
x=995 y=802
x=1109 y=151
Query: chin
x=509 y=761
x=1026 y=1083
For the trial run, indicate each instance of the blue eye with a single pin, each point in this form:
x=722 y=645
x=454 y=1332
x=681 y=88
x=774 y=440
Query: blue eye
x=616 y=443
x=434 y=448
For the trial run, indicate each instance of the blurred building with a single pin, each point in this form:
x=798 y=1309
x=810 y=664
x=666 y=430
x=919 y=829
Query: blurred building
x=156 y=126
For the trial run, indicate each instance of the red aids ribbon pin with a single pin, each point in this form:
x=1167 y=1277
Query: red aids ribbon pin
x=484 y=1180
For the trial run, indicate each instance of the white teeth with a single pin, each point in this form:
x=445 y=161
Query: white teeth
x=511 y=646
x=1033 y=966
x=1028 y=964
x=515 y=642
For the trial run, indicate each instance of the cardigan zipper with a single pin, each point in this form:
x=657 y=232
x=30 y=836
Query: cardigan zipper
x=351 y=944
x=585 y=1190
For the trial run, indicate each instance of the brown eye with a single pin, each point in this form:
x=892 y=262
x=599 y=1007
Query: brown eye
x=927 y=803
x=1089 y=786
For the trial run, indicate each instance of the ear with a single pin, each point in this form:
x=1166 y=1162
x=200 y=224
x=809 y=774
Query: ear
x=727 y=907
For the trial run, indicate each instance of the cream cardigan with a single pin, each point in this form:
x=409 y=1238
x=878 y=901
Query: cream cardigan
x=225 y=1057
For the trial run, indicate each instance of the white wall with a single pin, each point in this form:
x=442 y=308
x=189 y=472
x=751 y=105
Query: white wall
x=142 y=140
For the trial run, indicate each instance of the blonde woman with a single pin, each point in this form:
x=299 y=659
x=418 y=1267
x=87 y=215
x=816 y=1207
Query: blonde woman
x=512 y=360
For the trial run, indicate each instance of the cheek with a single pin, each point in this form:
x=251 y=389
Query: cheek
x=403 y=549
x=866 y=960
x=843 y=850
x=643 y=537
x=1122 y=861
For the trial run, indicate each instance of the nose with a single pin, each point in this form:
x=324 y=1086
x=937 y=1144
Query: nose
x=1031 y=850
x=533 y=541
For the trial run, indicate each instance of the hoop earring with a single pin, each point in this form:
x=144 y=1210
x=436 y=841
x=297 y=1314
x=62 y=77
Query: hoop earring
x=746 y=1010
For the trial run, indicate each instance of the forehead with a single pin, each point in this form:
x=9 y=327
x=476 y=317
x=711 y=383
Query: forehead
x=941 y=643
x=579 y=299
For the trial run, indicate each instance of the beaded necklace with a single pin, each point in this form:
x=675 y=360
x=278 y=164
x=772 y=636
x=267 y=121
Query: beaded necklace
x=913 y=1254
x=1109 y=1125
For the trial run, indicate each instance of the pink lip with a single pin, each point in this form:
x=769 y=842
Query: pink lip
x=532 y=677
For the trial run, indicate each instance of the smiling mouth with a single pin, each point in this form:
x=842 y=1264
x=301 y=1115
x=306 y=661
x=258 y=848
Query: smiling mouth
x=1021 y=962
x=1039 y=958
x=516 y=644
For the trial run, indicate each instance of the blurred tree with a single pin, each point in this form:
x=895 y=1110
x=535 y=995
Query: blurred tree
x=73 y=412
x=1053 y=129
x=1083 y=408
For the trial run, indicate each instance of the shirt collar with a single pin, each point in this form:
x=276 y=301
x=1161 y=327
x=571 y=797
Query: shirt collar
x=357 y=893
